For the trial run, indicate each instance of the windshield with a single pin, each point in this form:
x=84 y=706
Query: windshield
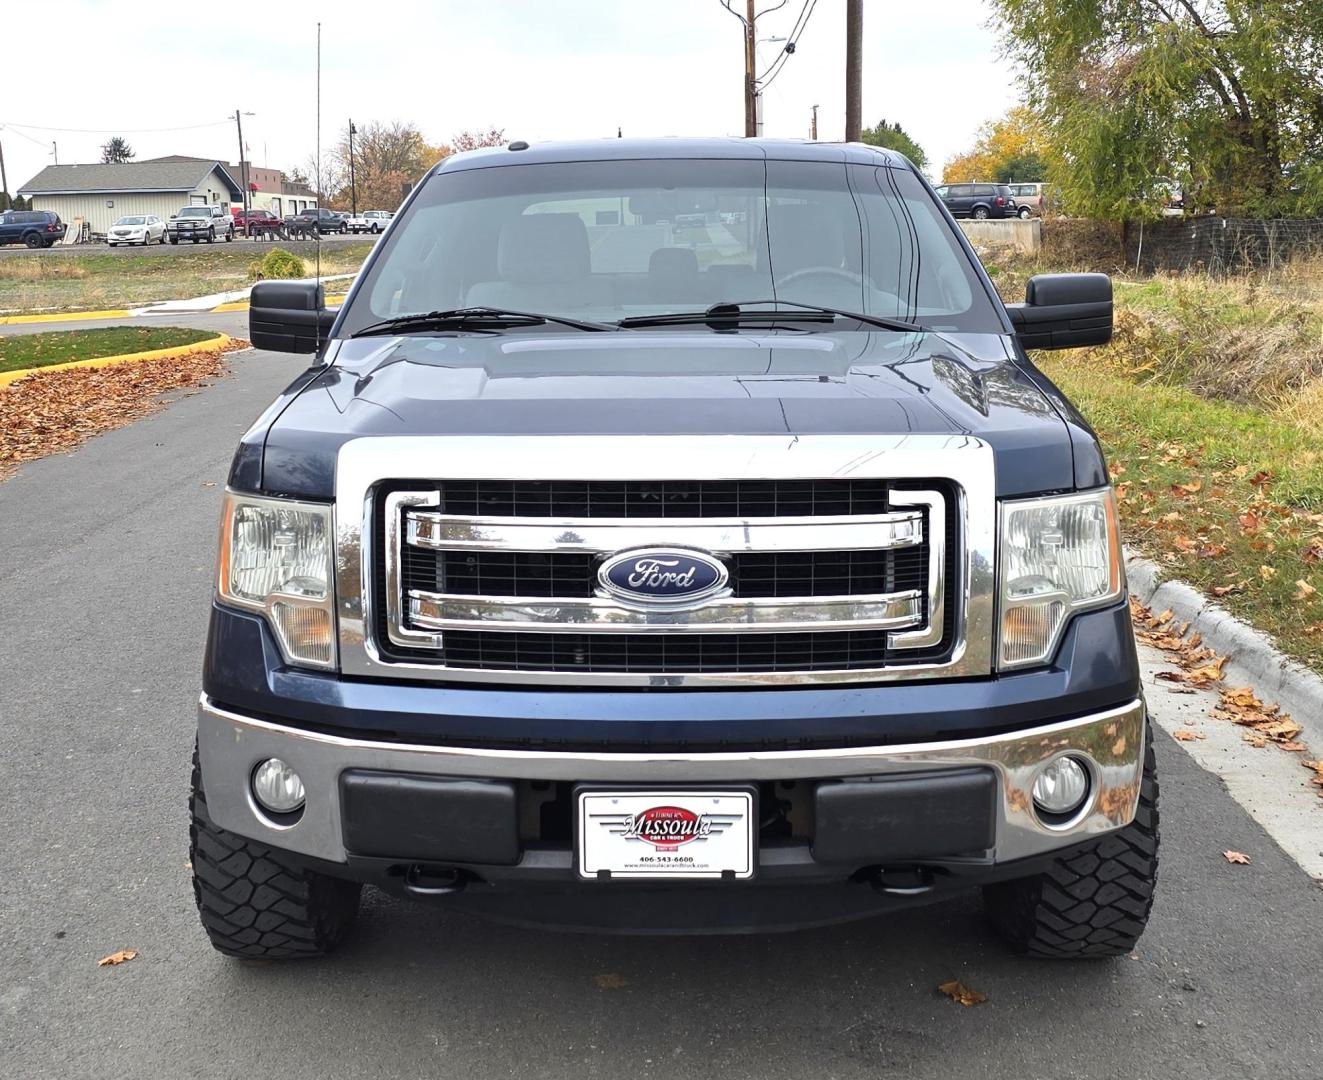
x=606 y=240
x=195 y=211
x=132 y=221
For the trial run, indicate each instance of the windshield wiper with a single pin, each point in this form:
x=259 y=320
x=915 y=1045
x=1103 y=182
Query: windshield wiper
x=453 y=318
x=730 y=312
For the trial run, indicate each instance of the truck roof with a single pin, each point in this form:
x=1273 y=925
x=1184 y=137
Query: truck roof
x=649 y=149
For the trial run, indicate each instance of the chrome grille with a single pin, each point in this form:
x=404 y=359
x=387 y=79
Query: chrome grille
x=825 y=592
x=847 y=558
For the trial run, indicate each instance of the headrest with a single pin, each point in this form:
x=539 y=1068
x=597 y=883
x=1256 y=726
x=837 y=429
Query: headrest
x=674 y=264
x=541 y=248
x=804 y=236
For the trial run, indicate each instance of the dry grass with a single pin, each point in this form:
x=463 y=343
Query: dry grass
x=38 y=268
x=92 y=282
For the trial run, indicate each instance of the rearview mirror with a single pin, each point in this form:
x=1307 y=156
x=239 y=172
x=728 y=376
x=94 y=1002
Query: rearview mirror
x=289 y=316
x=1064 y=311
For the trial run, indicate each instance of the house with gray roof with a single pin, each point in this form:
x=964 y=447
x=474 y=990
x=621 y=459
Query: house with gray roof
x=102 y=194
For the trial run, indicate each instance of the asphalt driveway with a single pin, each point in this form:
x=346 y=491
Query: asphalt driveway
x=105 y=577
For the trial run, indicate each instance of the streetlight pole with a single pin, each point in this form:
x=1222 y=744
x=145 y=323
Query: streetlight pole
x=813 y=129
x=750 y=75
x=353 y=184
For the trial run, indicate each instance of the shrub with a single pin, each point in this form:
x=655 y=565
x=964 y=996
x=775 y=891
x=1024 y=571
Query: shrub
x=277 y=263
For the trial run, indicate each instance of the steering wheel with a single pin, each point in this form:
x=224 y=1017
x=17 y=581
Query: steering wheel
x=821 y=271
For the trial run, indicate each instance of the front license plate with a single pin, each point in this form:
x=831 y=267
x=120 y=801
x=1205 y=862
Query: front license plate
x=665 y=834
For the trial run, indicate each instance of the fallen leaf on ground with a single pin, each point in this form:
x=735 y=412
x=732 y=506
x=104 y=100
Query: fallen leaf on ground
x=1226 y=590
x=1239 y=858
x=49 y=412
x=958 y=991
x=1186 y=735
x=117 y=958
x=1304 y=590
x=1267 y=573
x=1186 y=489
x=1317 y=778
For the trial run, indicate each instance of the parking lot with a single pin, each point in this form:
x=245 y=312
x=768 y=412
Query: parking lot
x=103 y=633
x=329 y=242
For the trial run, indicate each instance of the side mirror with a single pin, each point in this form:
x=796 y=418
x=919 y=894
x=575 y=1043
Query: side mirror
x=289 y=316
x=1064 y=311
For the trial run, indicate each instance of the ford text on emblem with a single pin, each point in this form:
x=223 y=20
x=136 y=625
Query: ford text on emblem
x=662 y=575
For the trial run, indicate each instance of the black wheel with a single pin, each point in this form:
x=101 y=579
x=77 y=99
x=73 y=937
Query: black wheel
x=229 y=235
x=1092 y=903
x=1024 y=213
x=980 y=213
x=33 y=240
x=254 y=902
x=211 y=234
x=162 y=237
x=375 y=229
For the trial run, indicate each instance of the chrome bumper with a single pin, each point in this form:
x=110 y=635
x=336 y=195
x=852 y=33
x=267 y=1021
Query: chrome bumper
x=231 y=745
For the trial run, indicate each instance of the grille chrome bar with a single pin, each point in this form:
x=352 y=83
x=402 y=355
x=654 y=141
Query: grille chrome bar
x=371 y=647
x=895 y=611
x=430 y=529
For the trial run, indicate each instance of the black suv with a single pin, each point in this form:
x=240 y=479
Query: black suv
x=979 y=200
x=35 y=228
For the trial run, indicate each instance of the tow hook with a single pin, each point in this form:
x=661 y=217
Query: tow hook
x=902 y=881
x=428 y=881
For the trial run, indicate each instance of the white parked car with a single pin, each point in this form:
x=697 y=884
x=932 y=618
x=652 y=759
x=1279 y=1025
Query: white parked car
x=373 y=221
x=141 y=229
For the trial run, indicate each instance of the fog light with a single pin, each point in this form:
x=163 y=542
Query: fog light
x=279 y=788
x=1061 y=785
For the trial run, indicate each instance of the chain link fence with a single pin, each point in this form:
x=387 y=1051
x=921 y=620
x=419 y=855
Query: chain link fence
x=1221 y=246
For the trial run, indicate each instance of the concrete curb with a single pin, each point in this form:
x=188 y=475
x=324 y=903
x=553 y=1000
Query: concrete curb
x=1254 y=659
x=220 y=341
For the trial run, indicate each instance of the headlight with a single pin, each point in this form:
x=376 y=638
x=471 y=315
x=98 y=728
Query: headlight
x=1059 y=555
x=275 y=557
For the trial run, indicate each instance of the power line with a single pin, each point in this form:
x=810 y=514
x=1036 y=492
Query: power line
x=792 y=39
x=113 y=131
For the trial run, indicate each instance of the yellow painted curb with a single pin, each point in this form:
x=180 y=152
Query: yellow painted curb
x=242 y=305
x=62 y=316
x=220 y=341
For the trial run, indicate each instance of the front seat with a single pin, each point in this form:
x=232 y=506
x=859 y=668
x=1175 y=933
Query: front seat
x=542 y=263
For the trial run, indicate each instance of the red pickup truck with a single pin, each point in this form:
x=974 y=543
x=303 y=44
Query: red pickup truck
x=254 y=222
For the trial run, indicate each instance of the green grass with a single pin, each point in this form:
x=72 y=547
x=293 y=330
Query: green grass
x=18 y=351
x=95 y=282
x=1226 y=497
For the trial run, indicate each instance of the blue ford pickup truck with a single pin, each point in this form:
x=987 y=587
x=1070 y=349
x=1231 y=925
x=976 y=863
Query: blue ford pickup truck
x=673 y=536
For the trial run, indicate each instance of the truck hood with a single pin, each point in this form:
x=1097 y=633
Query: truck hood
x=667 y=383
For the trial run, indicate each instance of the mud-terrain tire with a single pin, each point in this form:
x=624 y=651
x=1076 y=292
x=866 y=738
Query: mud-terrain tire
x=256 y=903
x=1092 y=903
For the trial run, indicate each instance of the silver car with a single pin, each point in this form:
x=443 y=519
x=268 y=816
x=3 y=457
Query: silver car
x=141 y=229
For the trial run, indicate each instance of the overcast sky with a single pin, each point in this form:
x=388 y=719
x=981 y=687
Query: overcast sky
x=540 y=69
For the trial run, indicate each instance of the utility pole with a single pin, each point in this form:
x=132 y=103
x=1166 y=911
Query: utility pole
x=55 y=151
x=854 y=66
x=4 y=179
x=243 y=162
x=353 y=183
x=813 y=128
x=750 y=86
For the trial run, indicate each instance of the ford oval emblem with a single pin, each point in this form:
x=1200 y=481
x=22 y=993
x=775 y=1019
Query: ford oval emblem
x=662 y=575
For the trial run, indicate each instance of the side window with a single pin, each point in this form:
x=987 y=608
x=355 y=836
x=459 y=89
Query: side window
x=983 y=189
x=942 y=191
